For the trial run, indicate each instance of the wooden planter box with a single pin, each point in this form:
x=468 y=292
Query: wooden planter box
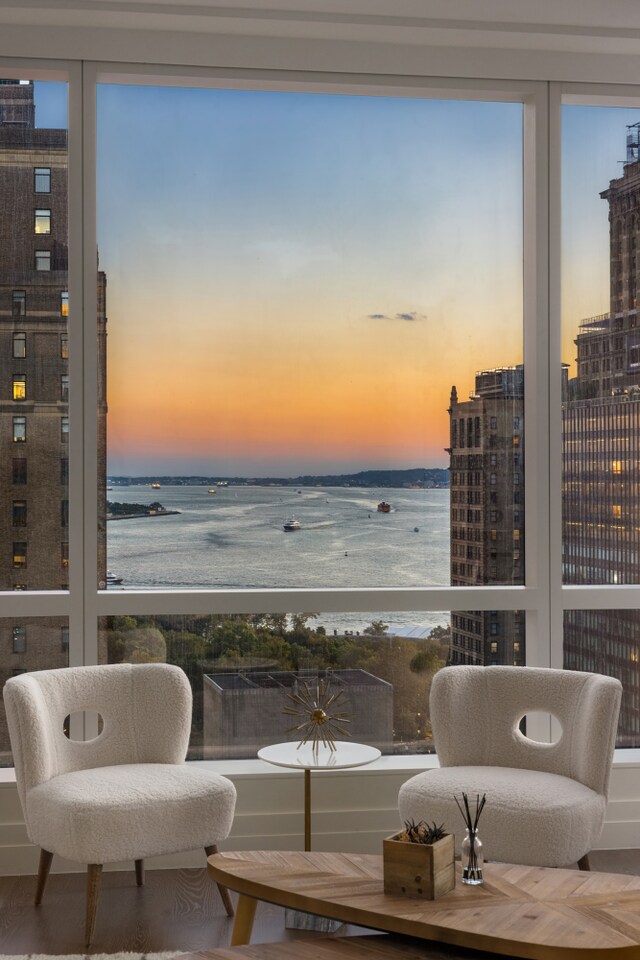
x=419 y=869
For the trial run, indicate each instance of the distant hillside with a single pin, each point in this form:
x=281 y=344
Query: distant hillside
x=419 y=476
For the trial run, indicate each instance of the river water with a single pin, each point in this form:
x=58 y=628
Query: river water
x=235 y=539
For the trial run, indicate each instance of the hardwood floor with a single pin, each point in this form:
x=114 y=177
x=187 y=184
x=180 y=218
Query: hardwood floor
x=175 y=910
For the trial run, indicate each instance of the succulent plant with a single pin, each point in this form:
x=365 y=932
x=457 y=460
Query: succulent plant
x=421 y=832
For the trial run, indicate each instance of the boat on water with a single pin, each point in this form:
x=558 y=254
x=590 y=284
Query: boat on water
x=212 y=490
x=154 y=486
x=112 y=580
x=292 y=524
x=384 y=507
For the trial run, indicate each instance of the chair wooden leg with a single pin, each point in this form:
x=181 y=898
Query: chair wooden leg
x=583 y=863
x=94 y=875
x=43 y=873
x=224 y=893
x=140 y=873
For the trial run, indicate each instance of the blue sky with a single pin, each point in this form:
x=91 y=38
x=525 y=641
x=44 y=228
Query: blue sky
x=262 y=250
x=263 y=247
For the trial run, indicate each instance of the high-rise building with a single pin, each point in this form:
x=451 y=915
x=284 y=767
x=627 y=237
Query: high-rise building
x=601 y=458
x=34 y=381
x=487 y=512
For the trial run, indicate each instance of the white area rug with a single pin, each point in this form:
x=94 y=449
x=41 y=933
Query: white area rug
x=94 y=956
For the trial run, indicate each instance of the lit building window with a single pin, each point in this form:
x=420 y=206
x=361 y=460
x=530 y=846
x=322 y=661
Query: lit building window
x=64 y=429
x=19 y=640
x=64 y=388
x=616 y=510
x=516 y=646
x=516 y=441
x=516 y=534
x=19 y=386
x=64 y=303
x=19 y=303
x=42 y=179
x=64 y=347
x=19 y=346
x=19 y=429
x=494 y=646
x=43 y=259
x=19 y=513
x=42 y=221
x=20 y=554
x=616 y=467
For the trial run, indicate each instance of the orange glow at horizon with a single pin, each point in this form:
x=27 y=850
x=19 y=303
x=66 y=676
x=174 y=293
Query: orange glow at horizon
x=365 y=390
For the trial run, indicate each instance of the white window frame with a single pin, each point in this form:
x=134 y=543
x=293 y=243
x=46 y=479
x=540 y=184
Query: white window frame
x=542 y=598
x=84 y=604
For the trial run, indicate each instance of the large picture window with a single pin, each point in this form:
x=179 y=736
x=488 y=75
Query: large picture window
x=320 y=432
x=317 y=341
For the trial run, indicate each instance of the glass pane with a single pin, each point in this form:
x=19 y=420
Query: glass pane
x=608 y=641
x=488 y=638
x=278 y=375
x=29 y=643
x=242 y=669
x=33 y=275
x=601 y=336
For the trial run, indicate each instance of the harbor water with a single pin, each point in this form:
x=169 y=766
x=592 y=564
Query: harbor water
x=235 y=539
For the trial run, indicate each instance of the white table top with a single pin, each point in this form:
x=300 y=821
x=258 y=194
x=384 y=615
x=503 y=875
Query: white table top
x=345 y=755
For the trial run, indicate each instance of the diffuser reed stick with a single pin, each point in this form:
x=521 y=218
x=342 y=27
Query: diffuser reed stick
x=472 y=869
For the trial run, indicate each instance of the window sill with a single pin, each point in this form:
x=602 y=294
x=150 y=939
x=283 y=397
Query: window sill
x=414 y=763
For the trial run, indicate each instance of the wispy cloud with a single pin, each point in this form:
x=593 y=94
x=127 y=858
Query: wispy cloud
x=409 y=317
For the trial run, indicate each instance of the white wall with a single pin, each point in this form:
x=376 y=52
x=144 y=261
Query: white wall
x=352 y=810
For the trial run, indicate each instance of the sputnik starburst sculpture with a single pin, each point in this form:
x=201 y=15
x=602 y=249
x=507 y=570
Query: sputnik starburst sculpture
x=315 y=705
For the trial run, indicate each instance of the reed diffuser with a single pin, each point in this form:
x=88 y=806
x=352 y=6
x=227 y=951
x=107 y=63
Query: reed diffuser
x=472 y=856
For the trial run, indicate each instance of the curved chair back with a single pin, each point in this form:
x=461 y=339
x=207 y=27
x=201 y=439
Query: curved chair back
x=475 y=713
x=145 y=708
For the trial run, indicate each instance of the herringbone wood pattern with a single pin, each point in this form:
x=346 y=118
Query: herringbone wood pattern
x=529 y=912
x=175 y=910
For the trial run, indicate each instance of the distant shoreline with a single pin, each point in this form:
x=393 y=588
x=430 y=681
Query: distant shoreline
x=419 y=478
x=138 y=516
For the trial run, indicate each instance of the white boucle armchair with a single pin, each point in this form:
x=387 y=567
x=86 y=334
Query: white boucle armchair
x=546 y=802
x=127 y=794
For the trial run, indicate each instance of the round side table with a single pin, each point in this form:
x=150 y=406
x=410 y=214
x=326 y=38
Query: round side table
x=305 y=758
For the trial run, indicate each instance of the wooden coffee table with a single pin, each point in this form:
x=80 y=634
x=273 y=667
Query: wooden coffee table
x=534 y=912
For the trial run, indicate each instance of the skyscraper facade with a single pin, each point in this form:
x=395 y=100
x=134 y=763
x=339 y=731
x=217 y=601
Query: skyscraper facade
x=601 y=458
x=34 y=381
x=487 y=512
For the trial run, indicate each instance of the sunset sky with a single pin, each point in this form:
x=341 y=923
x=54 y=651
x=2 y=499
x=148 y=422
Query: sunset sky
x=295 y=281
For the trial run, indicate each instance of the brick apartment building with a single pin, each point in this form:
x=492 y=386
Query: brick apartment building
x=487 y=512
x=34 y=382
